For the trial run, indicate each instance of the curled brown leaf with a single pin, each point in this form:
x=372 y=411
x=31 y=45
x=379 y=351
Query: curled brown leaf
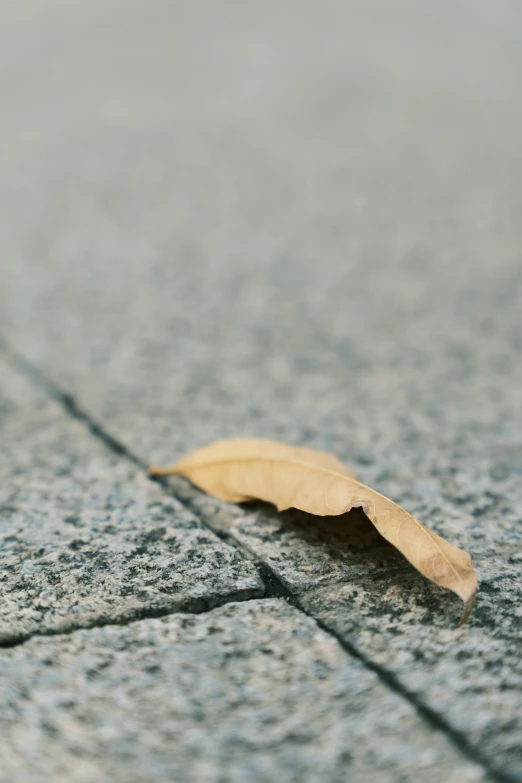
x=318 y=483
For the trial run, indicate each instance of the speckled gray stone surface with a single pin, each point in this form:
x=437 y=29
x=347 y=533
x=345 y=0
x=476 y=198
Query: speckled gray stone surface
x=85 y=538
x=341 y=571
x=246 y=693
x=301 y=224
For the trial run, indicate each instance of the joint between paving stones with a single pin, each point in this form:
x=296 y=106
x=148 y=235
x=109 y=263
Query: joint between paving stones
x=274 y=588
x=195 y=607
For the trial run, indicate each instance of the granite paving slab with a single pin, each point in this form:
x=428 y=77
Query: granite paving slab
x=250 y=692
x=85 y=538
x=342 y=572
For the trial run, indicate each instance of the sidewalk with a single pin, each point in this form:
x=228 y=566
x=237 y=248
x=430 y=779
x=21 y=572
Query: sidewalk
x=279 y=223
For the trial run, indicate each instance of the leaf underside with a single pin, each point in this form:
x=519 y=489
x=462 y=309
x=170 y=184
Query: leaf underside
x=318 y=483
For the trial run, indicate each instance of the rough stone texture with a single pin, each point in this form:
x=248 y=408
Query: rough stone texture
x=249 y=692
x=85 y=538
x=471 y=676
x=346 y=575
x=302 y=224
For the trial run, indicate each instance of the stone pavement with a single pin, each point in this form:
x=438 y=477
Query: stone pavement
x=298 y=221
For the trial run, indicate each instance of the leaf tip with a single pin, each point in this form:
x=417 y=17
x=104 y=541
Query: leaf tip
x=468 y=606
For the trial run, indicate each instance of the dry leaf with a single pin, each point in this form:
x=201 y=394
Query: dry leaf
x=317 y=482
